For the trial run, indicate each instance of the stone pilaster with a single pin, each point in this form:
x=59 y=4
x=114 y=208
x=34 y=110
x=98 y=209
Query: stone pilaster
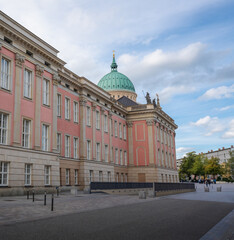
x=110 y=137
x=19 y=60
x=102 y=129
x=82 y=102
x=56 y=81
x=130 y=143
x=94 y=105
x=150 y=123
x=38 y=96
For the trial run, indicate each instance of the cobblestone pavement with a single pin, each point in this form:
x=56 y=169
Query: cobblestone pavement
x=18 y=208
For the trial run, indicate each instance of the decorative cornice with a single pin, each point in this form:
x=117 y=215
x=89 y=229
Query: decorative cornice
x=56 y=79
x=19 y=60
x=149 y=122
x=129 y=124
x=39 y=70
x=94 y=105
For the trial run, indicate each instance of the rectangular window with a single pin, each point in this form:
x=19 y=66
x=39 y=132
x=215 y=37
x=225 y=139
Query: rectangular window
x=47 y=175
x=3 y=128
x=46 y=92
x=98 y=151
x=67 y=146
x=45 y=134
x=75 y=112
x=27 y=83
x=126 y=177
x=125 y=158
x=100 y=176
x=67 y=176
x=109 y=176
x=117 y=177
x=121 y=157
x=88 y=149
x=75 y=147
x=97 y=120
x=28 y=172
x=168 y=139
x=157 y=133
x=116 y=133
x=105 y=123
x=26 y=133
x=59 y=101
x=116 y=156
x=124 y=132
x=59 y=142
x=111 y=127
x=67 y=108
x=122 y=177
x=161 y=135
x=5 y=74
x=4 y=166
x=120 y=130
x=165 y=137
x=88 y=115
x=106 y=153
x=76 y=176
x=90 y=176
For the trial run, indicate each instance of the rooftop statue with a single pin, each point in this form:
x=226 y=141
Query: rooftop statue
x=148 y=100
x=154 y=103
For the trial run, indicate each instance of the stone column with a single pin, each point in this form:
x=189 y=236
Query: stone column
x=156 y=143
x=102 y=129
x=56 y=81
x=94 y=105
x=149 y=123
x=38 y=96
x=82 y=102
x=19 y=60
x=110 y=157
x=130 y=143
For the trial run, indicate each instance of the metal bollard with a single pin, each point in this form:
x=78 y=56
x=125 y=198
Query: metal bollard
x=45 y=199
x=27 y=194
x=52 y=202
x=33 y=195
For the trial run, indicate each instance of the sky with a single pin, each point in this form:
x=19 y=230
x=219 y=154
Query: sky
x=181 y=49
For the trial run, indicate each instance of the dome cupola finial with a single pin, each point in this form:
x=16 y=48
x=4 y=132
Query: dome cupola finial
x=114 y=64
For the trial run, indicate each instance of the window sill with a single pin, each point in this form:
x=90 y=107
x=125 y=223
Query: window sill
x=4 y=186
x=28 y=186
x=48 y=185
x=6 y=90
x=76 y=123
x=45 y=105
x=67 y=119
x=27 y=98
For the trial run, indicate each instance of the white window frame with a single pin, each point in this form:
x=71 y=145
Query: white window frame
x=109 y=176
x=125 y=158
x=88 y=149
x=100 y=176
x=97 y=120
x=90 y=176
x=121 y=156
x=45 y=137
x=27 y=83
x=124 y=132
x=67 y=145
x=76 y=176
x=26 y=133
x=88 y=115
x=116 y=156
x=67 y=176
x=59 y=137
x=105 y=123
x=4 y=173
x=59 y=104
x=47 y=171
x=75 y=112
x=120 y=130
x=28 y=174
x=98 y=151
x=5 y=73
x=116 y=129
x=67 y=108
x=75 y=147
x=46 y=92
x=3 y=128
x=106 y=153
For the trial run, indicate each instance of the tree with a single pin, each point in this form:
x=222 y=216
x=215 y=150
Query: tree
x=187 y=164
x=230 y=165
x=198 y=168
x=213 y=167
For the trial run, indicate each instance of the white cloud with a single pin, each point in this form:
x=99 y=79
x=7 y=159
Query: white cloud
x=181 y=151
x=210 y=125
x=225 y=108
x=218 y=93
x=230 y=132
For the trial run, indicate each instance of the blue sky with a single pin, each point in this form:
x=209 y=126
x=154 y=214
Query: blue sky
x=183 y=50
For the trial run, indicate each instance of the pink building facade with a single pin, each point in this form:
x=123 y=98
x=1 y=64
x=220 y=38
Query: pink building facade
x=59 y=129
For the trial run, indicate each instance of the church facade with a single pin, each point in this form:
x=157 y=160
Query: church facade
x=60 y=129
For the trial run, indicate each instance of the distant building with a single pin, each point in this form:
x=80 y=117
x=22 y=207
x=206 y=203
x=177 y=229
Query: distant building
x=222 y=153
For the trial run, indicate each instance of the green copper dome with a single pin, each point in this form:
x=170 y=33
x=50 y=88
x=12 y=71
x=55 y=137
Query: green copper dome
x=116 y=81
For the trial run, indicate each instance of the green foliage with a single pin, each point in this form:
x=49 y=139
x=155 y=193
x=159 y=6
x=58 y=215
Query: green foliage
x=213 y=167
x=198 y=166
x=187 y=164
